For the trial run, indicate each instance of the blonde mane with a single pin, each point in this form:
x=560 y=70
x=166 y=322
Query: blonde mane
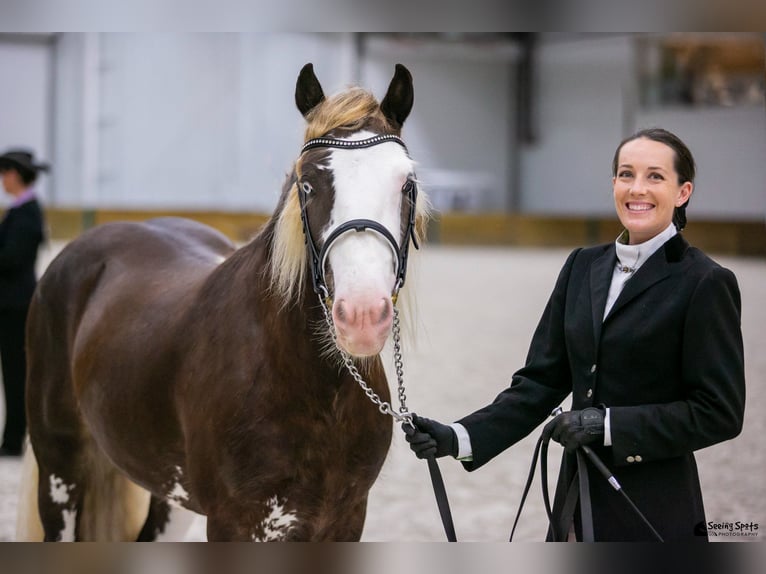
x=350 y=110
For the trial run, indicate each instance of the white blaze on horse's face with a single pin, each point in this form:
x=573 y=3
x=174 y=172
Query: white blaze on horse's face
x=368 y=185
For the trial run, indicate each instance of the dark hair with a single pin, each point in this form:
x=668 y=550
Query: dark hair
x=683 y=162
x=28 y=176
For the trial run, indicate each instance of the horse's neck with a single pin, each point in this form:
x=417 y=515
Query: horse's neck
x=238 y=309
x=241 y=290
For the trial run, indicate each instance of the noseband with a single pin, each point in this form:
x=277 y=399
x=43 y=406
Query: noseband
x=318 y=257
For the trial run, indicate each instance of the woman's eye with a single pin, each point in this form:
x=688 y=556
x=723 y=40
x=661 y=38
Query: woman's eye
x=306 y=187
x=655 y=176
x=625 y=174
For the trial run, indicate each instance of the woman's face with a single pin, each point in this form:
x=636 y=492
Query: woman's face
x=646 y=188
x=12 y=182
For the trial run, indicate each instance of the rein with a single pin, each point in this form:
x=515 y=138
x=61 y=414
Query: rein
x=578 y=489
x=317 y=262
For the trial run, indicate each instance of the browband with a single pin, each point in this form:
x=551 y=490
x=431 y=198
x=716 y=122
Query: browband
x=351 y=144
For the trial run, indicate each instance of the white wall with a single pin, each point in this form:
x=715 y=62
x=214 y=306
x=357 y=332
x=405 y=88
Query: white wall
x=460 y=129
x=198 y=121
x=25 y=100
x=580 y=87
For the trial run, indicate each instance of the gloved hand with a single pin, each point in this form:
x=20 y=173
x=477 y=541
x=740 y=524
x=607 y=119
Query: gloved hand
x=574 y=429
x=430 y=438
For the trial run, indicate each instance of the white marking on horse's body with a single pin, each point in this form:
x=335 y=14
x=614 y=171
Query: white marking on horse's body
x=177 y=495
x=368 y=185
x=70 y=520
x=59 y=490
x=277 y=524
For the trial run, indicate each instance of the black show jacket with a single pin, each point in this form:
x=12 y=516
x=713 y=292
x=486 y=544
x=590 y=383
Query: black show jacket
x=21 y=233
x=668 y=362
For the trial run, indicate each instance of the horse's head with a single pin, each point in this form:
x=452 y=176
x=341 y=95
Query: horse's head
x=355 y=199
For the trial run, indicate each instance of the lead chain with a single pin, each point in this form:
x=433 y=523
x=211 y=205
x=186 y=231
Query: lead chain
x=384 y=407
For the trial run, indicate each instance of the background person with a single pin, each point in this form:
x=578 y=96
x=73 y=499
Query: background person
x=21 y=233
x=645 y=334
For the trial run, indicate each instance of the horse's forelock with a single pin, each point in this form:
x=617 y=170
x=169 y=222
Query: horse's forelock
x=351 y=110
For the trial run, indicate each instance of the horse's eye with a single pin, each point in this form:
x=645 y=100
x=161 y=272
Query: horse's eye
x=306 y=187
x=407 y=187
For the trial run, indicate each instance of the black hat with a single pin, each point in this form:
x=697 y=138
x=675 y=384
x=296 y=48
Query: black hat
x=21 y=160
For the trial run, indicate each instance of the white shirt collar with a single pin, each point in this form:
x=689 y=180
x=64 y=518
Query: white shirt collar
x=631 y=257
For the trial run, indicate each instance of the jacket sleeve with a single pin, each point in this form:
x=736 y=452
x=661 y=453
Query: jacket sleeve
x=535 y=389
x=712 y=364
x=22 y=238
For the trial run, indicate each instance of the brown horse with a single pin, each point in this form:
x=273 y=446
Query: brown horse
x=169 y=369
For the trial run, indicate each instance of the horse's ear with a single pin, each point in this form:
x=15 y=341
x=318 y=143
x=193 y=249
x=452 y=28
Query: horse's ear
x=397 y=104
x=308 y=90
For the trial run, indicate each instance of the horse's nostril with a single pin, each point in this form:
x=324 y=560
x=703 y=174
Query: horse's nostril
x=384 y=310
x=340 y=310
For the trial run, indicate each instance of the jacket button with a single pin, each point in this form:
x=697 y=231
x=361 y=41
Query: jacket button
x=630 y=459
x=638 y=458
x=589 y=394
x=593 y=368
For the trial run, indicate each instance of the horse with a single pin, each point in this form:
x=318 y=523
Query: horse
x=170 y=370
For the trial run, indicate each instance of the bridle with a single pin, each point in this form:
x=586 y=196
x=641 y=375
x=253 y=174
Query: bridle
x=318 y=257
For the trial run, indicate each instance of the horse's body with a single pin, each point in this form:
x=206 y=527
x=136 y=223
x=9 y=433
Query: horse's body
x=166 y=369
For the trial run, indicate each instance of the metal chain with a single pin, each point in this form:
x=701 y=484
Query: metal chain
x=384 y=407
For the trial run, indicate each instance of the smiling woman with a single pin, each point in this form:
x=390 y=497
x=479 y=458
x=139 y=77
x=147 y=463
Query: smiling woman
x=653 y=179
x=645 y=334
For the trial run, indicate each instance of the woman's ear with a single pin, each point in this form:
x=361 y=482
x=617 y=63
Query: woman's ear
x=686 y=192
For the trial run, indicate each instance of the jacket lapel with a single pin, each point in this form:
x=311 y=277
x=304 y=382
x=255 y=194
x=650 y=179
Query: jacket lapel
x=656 y=268
x=600 y=279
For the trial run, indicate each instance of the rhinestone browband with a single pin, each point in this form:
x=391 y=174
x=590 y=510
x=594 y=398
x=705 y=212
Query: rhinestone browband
x=351 y=144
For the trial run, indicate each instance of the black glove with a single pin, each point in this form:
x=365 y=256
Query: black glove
x=577 y=428
x=430 y=438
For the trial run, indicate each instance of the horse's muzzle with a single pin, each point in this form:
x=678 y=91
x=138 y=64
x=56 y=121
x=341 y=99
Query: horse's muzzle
x=362 y=326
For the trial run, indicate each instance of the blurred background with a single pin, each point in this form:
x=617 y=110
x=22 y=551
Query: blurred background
x=513 y=132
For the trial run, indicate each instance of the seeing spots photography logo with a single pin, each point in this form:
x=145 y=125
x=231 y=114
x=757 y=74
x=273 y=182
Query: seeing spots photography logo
x=736 y=529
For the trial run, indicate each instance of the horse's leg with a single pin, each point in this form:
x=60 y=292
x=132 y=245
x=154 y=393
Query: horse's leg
x=166 y=522
x=114 y=507
x=224 y=528
x=28 y=525
x=233 y=522
x=349 y=528
x=82 y=496
x=60 y=488
x=156 y=520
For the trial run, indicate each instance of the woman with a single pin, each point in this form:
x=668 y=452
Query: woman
x=645 y=334
x=21 y=232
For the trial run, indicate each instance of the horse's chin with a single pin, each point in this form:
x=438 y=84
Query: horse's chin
x=360 y=345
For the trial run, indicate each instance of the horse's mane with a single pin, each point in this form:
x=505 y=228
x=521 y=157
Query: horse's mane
x=350 y=110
